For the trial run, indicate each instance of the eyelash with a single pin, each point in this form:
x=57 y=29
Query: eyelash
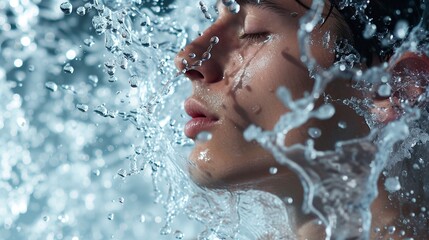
x=254 y=36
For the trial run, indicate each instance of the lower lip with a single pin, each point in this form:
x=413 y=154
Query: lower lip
x=197 y=125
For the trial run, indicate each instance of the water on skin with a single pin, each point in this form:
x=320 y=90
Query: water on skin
x=81 y=165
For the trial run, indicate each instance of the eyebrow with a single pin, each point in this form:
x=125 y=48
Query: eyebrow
x=264 y=4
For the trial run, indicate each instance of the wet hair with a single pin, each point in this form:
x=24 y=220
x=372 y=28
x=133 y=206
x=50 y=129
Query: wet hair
x=385 y=15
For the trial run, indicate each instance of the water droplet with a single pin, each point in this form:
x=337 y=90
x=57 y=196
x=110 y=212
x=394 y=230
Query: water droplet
x=66 y=7
x=96 y=172
x=206 y=56
x=294 y=14
x=342 y=124
x=142 y=218
x=93 y=79
x=273 y=170
x=111 y=216
x=81 y=11
x=134 y=81
x=234 y=8
x=51 y=86
x=384 y=90
x=130 y=55
x=121 y=200
x=314 y=132
x=289 y=200
x=214 y=40
x=392 y=184
x=165 y=230
x=89 y=41
x=46 y=218
x=401 y=29
x=82 y=107
x=208 y=16
x=192 y=55
x=101 y=110
x=369 y=30
x=391 y=229
x=138 y=150
x=68 y=68
x=203 y=136
x=228 y=3
x=178 y=234
x=100 y=24
x=122 y=172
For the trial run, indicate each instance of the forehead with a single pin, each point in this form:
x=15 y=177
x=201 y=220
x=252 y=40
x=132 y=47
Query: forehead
x=277 y=6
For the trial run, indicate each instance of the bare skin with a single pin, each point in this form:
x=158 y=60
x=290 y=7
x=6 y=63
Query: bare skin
x=258 y=52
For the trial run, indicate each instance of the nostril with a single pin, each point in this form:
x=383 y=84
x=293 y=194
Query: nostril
x=194 y=75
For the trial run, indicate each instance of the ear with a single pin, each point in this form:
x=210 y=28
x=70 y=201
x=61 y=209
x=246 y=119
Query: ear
x=409 y=79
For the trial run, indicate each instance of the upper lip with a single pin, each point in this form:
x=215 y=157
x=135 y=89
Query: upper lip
x=196 y=109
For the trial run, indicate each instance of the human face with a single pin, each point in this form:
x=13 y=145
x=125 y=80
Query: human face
x=258 y=52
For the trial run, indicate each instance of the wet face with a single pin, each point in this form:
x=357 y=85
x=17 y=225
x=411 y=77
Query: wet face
x=258 y=51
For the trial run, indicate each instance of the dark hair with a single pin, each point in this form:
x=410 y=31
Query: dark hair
x=384 y=15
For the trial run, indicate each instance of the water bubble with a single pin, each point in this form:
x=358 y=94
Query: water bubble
x=384 y=90
x=192 y=55
x=273 y=170
x=68 y=68
x=66 y=7
x=81 y=11
x=401 y=29
x=294 y=14
x=82 y=107
x=101 y=110
x=392 y=184
x=203 y=136
x=51 y=86
x=111 y=216
x=121 y=200
x=121 y=172
x=314 y=132
x=369 y=31
x=289 y=200
x=46 y=218
x=178 y=234
x=31 y=68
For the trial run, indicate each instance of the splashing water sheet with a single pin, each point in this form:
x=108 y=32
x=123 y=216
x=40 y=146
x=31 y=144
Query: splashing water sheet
x=92 y=116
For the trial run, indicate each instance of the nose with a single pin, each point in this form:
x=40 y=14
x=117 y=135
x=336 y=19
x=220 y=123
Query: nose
x=201 y=59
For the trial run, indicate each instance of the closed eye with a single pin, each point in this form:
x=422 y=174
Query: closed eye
x=255 y=36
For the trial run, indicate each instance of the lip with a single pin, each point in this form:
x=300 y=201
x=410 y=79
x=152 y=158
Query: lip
x=202 y=118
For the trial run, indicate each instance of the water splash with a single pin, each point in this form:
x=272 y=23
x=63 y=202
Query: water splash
x=121 y=69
